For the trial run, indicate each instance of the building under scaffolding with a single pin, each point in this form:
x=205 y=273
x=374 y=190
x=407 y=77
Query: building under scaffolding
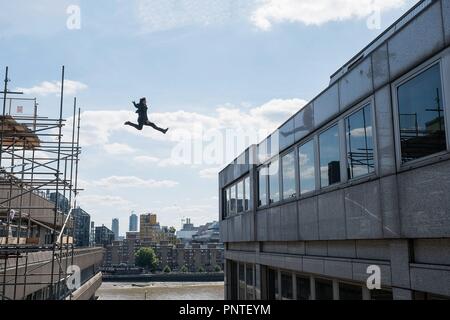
x=38 y=190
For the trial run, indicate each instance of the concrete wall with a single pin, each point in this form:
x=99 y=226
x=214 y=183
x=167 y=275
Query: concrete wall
x=38 y=269
x=44 y=215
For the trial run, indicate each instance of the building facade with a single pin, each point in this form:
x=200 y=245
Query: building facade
x=194 y=257
x=358 y=179
x=149 y=227
x=82 y=227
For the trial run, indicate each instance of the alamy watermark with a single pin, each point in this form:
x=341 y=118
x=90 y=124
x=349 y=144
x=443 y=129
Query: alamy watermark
x=73 y=281
x=374 y=280
x=74 y=17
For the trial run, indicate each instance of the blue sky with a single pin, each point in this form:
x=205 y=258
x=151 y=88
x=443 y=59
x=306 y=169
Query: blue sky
x=218 y=64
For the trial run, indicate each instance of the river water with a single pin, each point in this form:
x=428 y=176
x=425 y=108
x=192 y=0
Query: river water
x=161 y=291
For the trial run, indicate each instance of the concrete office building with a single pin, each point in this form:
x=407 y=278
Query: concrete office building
x=358 y=177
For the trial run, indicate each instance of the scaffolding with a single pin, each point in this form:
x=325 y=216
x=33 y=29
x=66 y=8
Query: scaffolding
x=39 y=161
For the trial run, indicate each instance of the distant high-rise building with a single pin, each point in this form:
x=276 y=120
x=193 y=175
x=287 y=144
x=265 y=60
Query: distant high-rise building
x=103 y=236
x=149 y=227
x=82 y=226
x=133 y=223
x=92 y=237
x=63 y=204
x=115 y=228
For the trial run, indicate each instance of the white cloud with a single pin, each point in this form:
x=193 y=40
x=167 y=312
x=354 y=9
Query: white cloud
x=162 y=163
x=105 y=201
x=317 y=12
x=118 y=149
x=361 y=132
x=162 y=15
x=54 y=87
x=146 y=159
x=133 y=182
x=97 y=127
x=210 y=173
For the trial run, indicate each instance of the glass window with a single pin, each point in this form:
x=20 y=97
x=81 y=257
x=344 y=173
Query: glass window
x=381 y=295
x=250 y=284
x=240 y=196
x=274 y=182
x=233 y=200
x=289 y=181
x=307 y=168
x=350 y=292
x=330 y=164
x=227 y=202
x=326 y=105
x=249 y=275
x=359 y=134
x=324 y=289
x=421 y=115
x=286 y=134
x=303 y=288
x=247 y=205
x=286 y=286
x=272 y=284
x=262 y=184
x=304 y=122
x=242 y=293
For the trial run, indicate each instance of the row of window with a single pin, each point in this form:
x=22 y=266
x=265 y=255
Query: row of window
x=360 y=161
x=238 y=197
x=317 y=163
x=323 y=288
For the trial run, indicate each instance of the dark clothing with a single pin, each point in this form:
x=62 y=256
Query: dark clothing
x=142 y=123
x=142 y=110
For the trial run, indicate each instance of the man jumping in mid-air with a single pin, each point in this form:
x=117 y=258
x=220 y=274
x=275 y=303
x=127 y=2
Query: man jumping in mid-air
x=143 y=118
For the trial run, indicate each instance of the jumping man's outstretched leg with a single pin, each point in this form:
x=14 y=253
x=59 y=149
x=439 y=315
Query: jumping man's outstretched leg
x=136 y=126
x=154 y=126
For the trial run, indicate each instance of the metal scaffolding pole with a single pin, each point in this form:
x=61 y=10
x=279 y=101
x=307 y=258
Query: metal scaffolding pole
x=38 y=193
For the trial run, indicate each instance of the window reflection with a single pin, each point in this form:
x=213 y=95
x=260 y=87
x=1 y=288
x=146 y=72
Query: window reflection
x=250 y=283
x=233 y=200
x=287 y=292
x=324 y=289
x=303 y=288
x=289 y=185
x=240 y=197
x=247 y=205
x=360 y=156
x=228 y=202
x=274 y=182
x=307 y=168
x=330 y=165
x=262 y=181
x=421 y=115
x=350 y=292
